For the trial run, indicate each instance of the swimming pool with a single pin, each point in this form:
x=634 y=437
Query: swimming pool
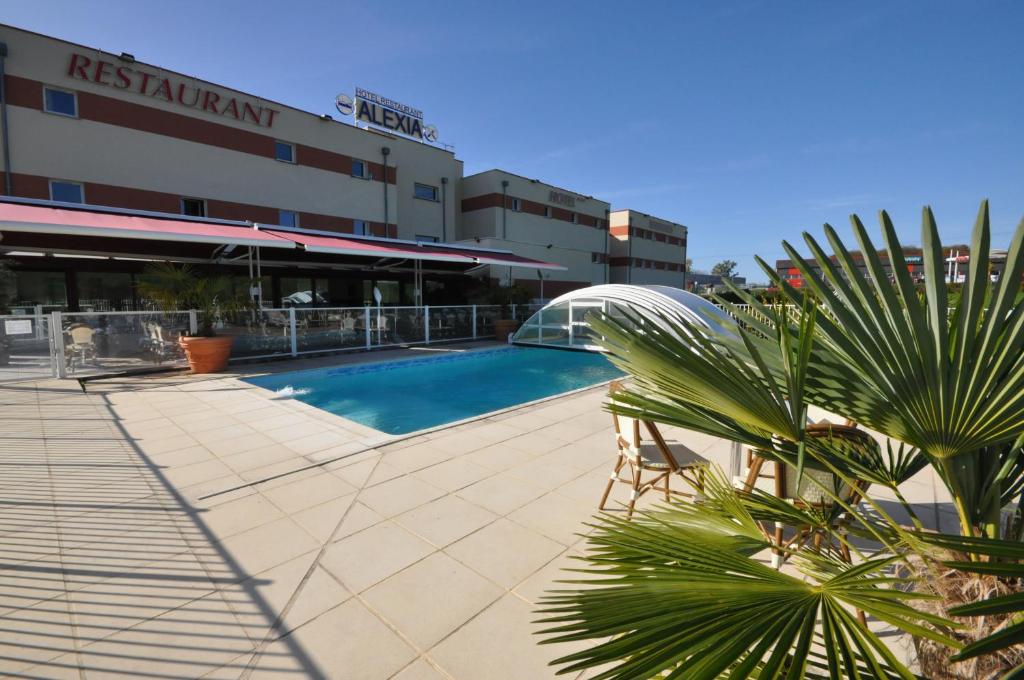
x=398 y=397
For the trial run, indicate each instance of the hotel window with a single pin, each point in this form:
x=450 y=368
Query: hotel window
x=547 y=211
x=66 y=192
x=360 y=228
x=574 y=218
x=288 y=218
x=61 y=102
x=421 y=238
x=193 y=207
x=283 y=151
x=424 y=191
x=359 y=169
x=515 y=205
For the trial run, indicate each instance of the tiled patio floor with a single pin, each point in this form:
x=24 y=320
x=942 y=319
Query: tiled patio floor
x=184 y=527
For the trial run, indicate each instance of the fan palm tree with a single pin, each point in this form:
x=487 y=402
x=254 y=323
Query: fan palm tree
x=682 y=591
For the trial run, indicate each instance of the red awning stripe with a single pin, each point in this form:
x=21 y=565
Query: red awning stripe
x=340 y=245
x=73 y=222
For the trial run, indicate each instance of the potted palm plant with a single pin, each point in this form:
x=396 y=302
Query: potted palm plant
x=180 y=287
x=682 y=590
x=505 y=297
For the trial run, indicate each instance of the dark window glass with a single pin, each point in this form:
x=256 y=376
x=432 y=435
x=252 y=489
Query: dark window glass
x=358 y=168
x=360 y=228
x=284 y=151
x=425 y=191
x=68 y=192
x=288 y=218
x=59 y=101
x=193 y=207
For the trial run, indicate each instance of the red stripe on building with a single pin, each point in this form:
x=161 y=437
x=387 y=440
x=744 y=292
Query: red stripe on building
x=101 y=109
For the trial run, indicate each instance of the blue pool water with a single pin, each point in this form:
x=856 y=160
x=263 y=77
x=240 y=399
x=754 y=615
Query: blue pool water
x=404 y=396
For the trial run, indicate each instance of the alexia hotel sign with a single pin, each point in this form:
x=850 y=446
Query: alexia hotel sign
x=373 y=109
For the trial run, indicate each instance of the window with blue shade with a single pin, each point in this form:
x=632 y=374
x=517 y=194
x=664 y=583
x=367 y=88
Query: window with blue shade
x=66 y=192
x=288 y=218
x=60 y=102
x=284 y=151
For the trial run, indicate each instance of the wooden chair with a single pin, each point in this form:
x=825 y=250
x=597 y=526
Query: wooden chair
x=809 y=494
x=658 y=457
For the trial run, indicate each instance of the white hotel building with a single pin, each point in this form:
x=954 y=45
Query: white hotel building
x=90 y=127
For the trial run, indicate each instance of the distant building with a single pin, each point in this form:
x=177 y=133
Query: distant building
x=699 y=282
x=537 y=220
x=956 y=258
x=647 y=250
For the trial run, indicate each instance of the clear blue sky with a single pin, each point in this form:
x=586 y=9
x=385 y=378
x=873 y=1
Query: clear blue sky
x=748 y=121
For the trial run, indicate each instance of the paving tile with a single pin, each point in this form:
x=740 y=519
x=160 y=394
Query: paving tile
x=235 y=445
x=417 y=456
x=257 y=458
x=203 y=634
x=557 y=517
x=372 y=555
x=311 y=443
x=305 y=493
x=449 y=591
x=453 y=474
x=502 y=493
x=505 y=552
x=239 y=515
x=260 y=602
x=321 y=520
x=350 y=642
x=357 y=470
x=265 y=546
x=188 y=475
x=445 y=520
x=497 y=645
x=398 y=495
x=419 y=670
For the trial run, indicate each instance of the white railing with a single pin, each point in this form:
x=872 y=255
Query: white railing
x=99 y=342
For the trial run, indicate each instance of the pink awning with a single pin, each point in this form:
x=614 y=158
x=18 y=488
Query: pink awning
x=339 y=245
x=23 y=217
x=343 y=245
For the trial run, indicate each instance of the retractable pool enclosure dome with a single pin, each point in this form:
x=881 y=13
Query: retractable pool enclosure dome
x=563 y=322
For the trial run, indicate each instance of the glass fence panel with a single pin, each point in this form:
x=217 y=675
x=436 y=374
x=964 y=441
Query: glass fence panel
x=486 y=315
x=326 y=329
x=113 y=342
x=260 y=333
x=24 y=346
x=451 y=323
x=409 y=326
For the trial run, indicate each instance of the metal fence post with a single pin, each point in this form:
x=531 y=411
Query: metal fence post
x=193 y=322
x=572 y=329
x=58 y=366
x=366 y=325
x=426 y=324
x=291 y=329
x=38 y=313
x=474 y=322
x=514 y=317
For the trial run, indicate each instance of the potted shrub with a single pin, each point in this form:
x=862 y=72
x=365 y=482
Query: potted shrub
x=180 y=287
x=505 y=297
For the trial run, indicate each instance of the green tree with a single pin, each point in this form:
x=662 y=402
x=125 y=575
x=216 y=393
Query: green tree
x=678 y=588
x=725 y=269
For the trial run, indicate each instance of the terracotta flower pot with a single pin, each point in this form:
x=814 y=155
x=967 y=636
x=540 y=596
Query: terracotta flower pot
x=504 y=328
x=207 y=355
